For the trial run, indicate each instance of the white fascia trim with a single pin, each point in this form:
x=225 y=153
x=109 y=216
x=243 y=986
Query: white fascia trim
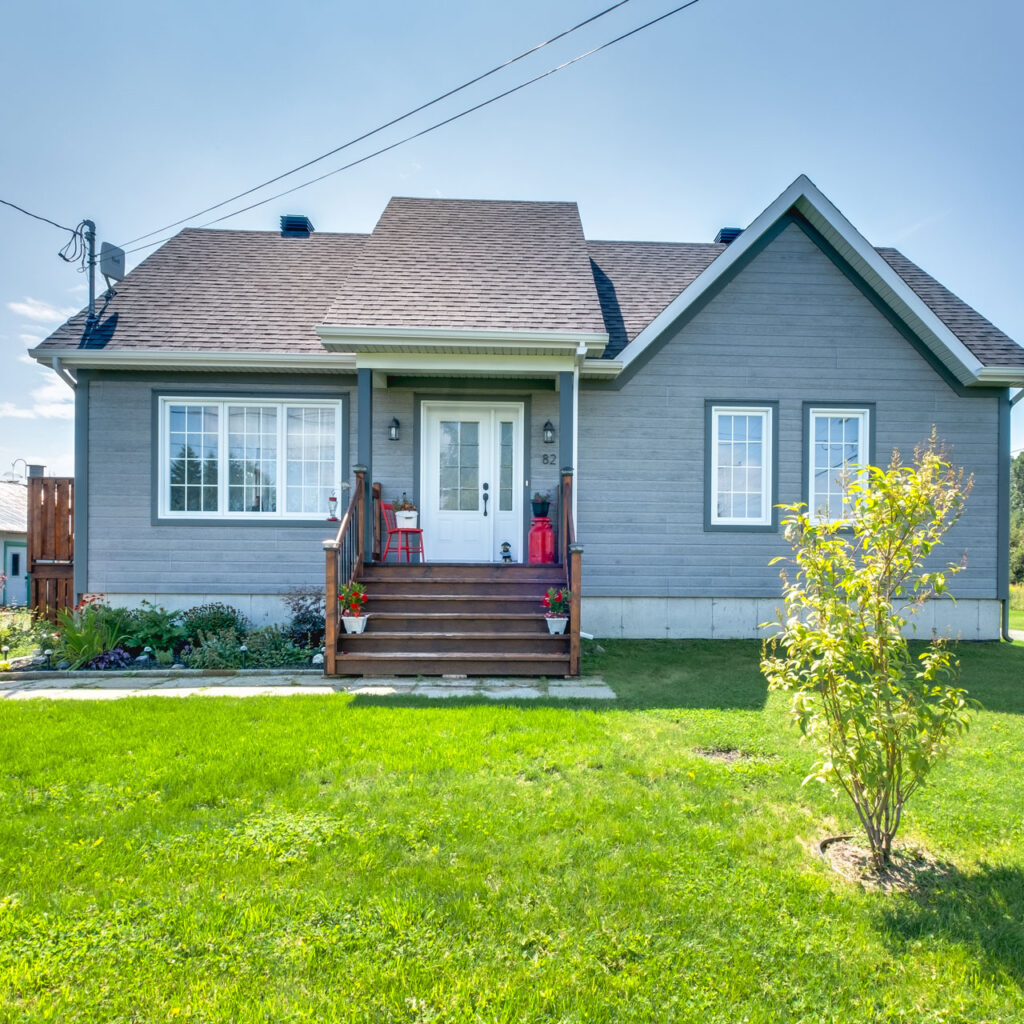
x=819 y=211
x=1001 y=376
x=522 y=364
x=601 y=368
x=294 y=362
x=383 y=338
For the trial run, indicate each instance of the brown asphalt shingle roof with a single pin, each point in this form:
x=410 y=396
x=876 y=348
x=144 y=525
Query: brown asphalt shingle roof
x=13 y=508
x=224 y=291
x=480 y=264
x=472 y=263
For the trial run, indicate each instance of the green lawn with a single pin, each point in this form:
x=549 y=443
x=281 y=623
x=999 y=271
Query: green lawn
x=338 y=859
x=1017 y=606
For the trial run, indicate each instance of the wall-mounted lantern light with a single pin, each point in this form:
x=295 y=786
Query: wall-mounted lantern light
x=393 y=430
x=549 y=433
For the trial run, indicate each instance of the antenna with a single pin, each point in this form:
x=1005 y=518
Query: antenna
x=111 y=263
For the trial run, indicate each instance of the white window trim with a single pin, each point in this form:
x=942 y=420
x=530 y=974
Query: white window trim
x=245 y=401
x=767 y=460
x=863 y=454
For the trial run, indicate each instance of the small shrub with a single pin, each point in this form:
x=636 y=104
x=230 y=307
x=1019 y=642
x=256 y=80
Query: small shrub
x=88 y=630
x=164 y=657
x=110 y=660
x=215 y=617
x=273 y=647
x=155 y=627
x=217 y=649
x=306 y=628
x=21 y=632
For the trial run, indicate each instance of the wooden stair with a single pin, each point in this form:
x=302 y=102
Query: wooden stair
x=455 y=619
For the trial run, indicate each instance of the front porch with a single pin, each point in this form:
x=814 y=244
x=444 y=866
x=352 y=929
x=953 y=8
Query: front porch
x=448 y=618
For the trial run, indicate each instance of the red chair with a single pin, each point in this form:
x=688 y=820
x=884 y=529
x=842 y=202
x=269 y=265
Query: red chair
x=404 y=535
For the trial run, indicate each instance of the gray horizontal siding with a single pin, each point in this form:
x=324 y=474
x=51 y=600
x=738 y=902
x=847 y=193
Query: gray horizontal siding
x=790 y=327
x=128 y=554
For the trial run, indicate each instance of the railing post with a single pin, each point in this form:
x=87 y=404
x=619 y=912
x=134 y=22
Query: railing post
x=575 y=586
x=360 y=472
x=375 y=491
x=331 y=608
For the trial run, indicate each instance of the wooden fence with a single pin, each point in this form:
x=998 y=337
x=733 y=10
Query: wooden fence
x=51 y=543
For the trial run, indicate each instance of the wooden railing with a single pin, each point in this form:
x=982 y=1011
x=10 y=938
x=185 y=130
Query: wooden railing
x=571 y=557
x=375 y=491
x=344 y=557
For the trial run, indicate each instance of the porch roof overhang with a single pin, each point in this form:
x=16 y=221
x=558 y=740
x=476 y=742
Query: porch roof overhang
x=458 y=350
x=195 y=360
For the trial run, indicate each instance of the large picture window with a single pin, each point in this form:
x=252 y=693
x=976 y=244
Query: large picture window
x=838 y=452
x=741 y=442
x=248 y=459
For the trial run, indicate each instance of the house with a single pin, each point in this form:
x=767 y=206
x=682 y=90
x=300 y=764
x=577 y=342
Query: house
x=13 y=542
x=467 y=352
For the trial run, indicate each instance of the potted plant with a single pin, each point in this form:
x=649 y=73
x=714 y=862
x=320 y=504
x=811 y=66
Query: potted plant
x=541 y=503
x=406 y=515
x=556 y=608
x=352 y=600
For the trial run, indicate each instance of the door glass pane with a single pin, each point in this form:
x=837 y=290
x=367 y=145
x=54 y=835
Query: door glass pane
x=505 y=468
x=458 y=471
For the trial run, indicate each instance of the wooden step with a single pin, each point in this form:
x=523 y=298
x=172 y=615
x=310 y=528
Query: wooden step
x=454 y=585
x=451 y=622
x=548 y=575
x=468 y=604
x=430 y=663
x=458 y=642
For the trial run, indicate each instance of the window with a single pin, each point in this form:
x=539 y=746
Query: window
x=246 y=459
x=838 y=450
x=741 y=449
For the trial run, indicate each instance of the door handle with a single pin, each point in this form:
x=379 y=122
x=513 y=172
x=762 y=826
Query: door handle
x=486 y=496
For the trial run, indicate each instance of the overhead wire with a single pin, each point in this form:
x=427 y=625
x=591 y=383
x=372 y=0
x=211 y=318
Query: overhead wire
x=430 y=128
x=383 y=127
x=73 y=250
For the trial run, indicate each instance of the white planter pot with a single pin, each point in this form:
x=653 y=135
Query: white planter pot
x=557 y=623
x=406 y=520
x=354 y=623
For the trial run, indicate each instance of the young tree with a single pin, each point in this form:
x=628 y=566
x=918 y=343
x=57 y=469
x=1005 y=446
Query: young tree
x=880 y=717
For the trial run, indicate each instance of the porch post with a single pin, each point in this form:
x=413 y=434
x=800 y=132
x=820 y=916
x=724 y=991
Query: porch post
x=566 y=426
x=365 y=448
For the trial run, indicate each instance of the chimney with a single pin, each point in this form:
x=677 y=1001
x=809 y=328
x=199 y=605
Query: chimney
x=295 y=225
x=727 y=235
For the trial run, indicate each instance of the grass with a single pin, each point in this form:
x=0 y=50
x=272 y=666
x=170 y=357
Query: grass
x=340 y=859
x=1017 y=606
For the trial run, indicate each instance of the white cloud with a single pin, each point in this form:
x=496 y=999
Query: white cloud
x=30 y=339
x=79 y=289
x=52 y=401
x=27 y=359
x=41 y=312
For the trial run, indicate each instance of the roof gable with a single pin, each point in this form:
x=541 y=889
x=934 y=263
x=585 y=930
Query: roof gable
x=472 y=265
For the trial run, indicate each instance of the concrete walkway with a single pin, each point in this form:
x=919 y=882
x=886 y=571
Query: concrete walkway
x=116 y=685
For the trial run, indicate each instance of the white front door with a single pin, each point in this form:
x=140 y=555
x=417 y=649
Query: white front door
x=15 y=590
x=471 y=497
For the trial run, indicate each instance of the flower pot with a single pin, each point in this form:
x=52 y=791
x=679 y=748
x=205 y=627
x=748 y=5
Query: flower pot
x=406 y=520
x=354 y=623
x=540 y=508
x=557 y=623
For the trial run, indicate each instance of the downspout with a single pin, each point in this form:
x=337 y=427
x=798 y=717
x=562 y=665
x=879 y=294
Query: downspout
x=58 y=369
x=1006 y=405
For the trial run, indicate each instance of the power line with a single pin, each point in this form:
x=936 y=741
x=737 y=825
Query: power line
x=45 y=220
x=431 y=128
x=380 y=128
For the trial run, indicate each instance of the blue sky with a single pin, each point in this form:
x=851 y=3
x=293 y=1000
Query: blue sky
x=908 y=116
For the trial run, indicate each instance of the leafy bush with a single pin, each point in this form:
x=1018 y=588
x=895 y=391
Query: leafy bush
x=215 y=617
x=214 y=649
x=109 y=660
x=306 y=628
x=20 y=631
x=155 y=627
x=880 y=717
x=273 y=647
x=87 y=631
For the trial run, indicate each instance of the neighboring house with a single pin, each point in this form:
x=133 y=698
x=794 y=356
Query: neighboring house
x=13 y=542
x=238 y=377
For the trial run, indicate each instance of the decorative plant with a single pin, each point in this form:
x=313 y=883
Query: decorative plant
x=155 y=627
x=538 y=496
x=214 y=617
x=556 y=602
x=306 y=627
x=88 y=630
x=403 y=504
x=352 y=598
x=880 y=715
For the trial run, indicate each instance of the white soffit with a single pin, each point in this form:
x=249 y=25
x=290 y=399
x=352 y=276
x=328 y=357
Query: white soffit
x=253 y=362
x=805 y=196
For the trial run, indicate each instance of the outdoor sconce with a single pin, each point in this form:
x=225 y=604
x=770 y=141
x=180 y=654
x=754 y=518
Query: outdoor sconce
x=393 y=430
x=332 y=508
x=549 y=433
